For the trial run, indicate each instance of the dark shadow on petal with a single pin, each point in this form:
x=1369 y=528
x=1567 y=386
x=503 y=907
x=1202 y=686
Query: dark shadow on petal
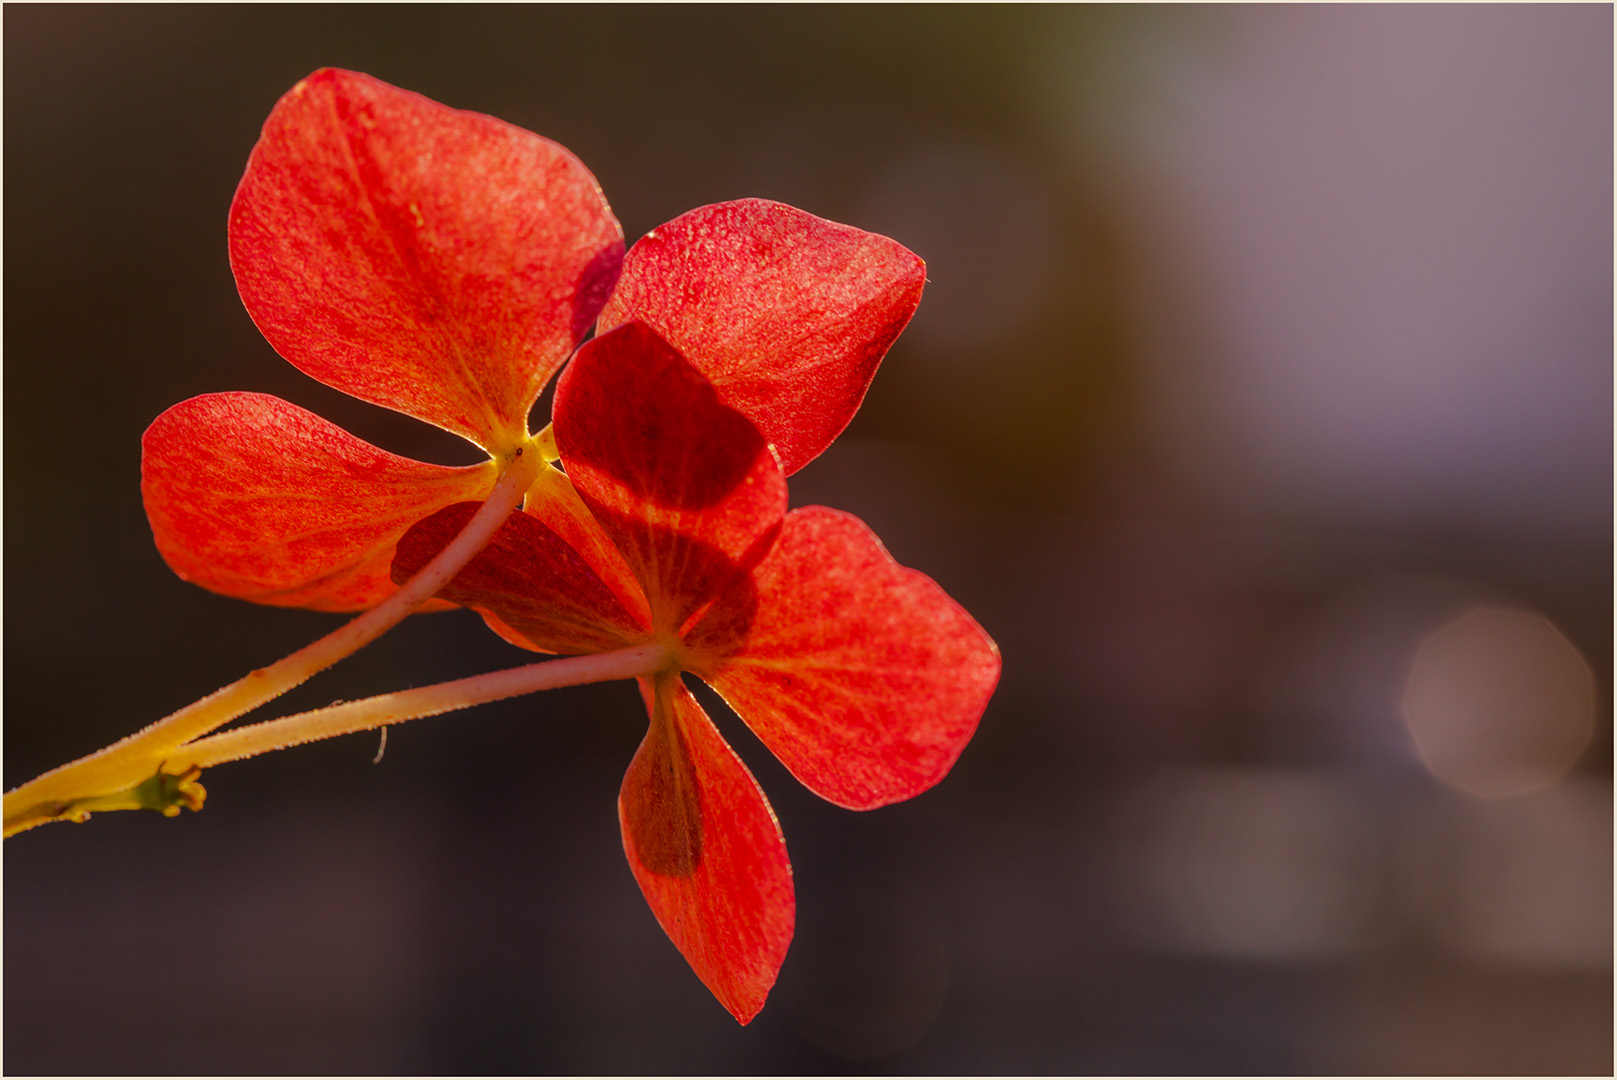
x=682 y=575
x=662 y=798
x=594 y=287
x=720 y=629
x=529 y=577
x=633 y=408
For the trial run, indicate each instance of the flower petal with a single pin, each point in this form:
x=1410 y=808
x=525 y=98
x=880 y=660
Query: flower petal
x=707 y=851
x=685 y=486
x=786 y=313
x=253 y=497
x=438 y=262
x=863 y=677
x=531 y=586
x=555 y=501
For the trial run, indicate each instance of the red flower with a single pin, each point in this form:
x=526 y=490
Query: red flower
x=864 y=678
x=445 y=264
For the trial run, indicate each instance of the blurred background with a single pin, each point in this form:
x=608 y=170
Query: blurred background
x=1260 y=405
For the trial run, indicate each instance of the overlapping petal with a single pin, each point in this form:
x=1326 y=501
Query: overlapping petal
x=256 y=498
x=533 y=587
x=438 y=262
x=863 y=677
x=684 y=485
x=786 y=313
x=707 y=851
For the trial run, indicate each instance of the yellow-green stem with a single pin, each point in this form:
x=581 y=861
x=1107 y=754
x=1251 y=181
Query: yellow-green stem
x=132 y=760
x=386 y=709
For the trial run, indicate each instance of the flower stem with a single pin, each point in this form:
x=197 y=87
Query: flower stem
x=134 y=759
x=385 y=709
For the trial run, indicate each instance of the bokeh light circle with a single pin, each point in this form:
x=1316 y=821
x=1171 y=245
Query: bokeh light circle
x=1499 y=702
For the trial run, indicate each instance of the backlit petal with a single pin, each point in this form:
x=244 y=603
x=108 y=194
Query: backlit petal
x=863 y=677
x=253 y=497
x=707 y=851
x=555 y=501
x=786 y=313
x=685 y=486
x=438 y=262
x=532 y=587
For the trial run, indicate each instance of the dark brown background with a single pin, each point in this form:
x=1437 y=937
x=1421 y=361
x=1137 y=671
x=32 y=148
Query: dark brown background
x=1257 y=343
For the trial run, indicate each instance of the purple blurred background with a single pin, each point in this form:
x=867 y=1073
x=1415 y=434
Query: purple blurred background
x=1260 y=405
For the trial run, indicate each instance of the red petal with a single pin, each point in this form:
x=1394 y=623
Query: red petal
x=532 y=587
x=253 y=497
x=555 y=501
x=707 y=851
x=786 y=313
x=863 y=677
x=438 y=262
x=686 y=487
